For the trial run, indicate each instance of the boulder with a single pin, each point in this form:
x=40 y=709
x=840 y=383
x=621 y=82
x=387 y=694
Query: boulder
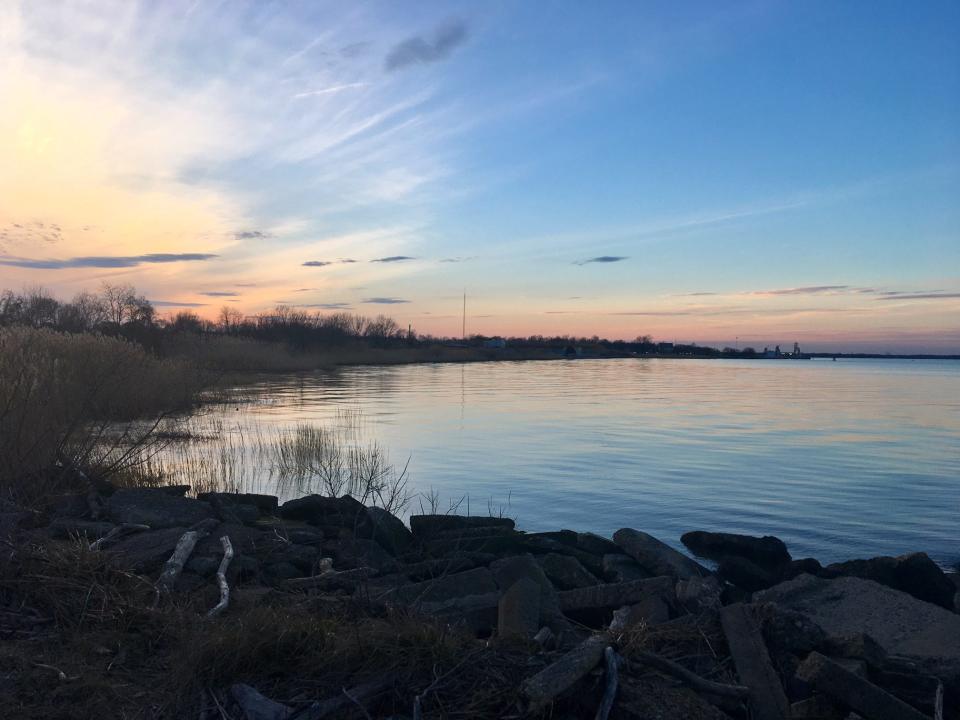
x=156 y=507
x=615 y=595
x=900 y=624
x=811 y=566
x=565 y=572
x=618 y=567
x=145 y=552
x=359 y=552
x=508 y=571
x=389 y=531
x=330 y=512
x=266 y=504
x=543 y=543
x=766 y=552
x=426 y=525
x=915 y=574
x=519 y=609
x=255 y=706
x=478 y=581
x=746 y=574
x=698 y=594
x=68 y=528
x=657 y=557
x=596 y=545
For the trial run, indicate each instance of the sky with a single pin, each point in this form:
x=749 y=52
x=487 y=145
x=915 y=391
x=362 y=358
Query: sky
x=744 y=173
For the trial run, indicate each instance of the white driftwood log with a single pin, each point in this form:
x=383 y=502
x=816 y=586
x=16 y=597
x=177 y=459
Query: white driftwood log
x=174 y=566
x=222 y=578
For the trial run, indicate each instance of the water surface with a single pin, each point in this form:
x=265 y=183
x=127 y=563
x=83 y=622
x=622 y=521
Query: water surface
x=840 y=459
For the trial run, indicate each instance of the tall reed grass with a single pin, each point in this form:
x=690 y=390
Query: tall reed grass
x=79 y=402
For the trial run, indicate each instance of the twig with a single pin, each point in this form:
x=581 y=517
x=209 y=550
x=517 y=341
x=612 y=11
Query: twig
x=356 y=702
x=938 y=702
x=222 y=578
x=610 y=694
x=174 y=566
x=691 y=679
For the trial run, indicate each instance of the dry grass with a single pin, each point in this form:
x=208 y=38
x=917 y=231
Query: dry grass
x=71 y=401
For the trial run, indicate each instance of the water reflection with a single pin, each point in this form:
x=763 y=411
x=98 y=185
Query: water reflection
x=840 y=459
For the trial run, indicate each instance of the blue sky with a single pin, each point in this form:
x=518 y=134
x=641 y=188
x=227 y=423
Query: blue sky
x=761 y=170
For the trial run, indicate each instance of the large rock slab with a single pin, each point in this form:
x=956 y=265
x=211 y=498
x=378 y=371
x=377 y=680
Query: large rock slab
x=519 y=610
x=507 y=571
x=767 y=699
x=330 y=512
x=915 y=574
x=426 y=525
x=146 y=551
x=478 y=581
x=615 y=595
x=389 y=531
x=766 y=551
x=156 y=507
x=657 y=557
x=899 y=623
x=566 y=572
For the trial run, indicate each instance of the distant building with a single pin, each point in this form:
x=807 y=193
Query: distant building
x=665 y=347
x=497 y=343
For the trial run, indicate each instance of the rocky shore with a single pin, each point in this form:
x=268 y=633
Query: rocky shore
x=558 y=624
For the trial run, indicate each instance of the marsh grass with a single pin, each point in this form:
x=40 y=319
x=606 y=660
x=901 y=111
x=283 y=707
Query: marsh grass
x=85 y=402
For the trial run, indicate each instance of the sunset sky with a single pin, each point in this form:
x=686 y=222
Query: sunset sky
x=767 y=171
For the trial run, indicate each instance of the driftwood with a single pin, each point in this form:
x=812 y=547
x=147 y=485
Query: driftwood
x=117 y=532
x=174 y=566
x=693 y=680
x=938 y=702
x=222 y=578
x=613 y=681
x=554 y=679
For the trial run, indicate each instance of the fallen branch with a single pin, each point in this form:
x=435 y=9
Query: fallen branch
x=938 y=702
x=174 y=566
x=222 y=578
x=691 y=679
x=117 y=532
x=613 y=681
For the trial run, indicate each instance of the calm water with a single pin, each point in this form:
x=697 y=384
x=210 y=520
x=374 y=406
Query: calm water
x=840 y=459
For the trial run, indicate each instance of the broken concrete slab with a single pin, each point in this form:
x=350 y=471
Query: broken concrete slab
x=899 y=623
x=915 y=574
x=519 y=609
x=767 y=699
x=156 y=507
x=615 y=595
x=554 y=679
x=657 y=557
x=426 y=525
x=618 y=567
x=835 y=681
x=507 y=571
x=566 y=572
x=767 y=551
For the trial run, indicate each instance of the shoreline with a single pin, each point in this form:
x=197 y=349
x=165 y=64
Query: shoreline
x=537 y=605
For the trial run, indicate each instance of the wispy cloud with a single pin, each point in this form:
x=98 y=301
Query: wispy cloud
x=252 y=235
x=105 y=261
x=328 y=306
x=174 y=303
x=385 y=301
x=328 y=90
x=809 y=290
x=418 y=50
x=602 y=259
x=393 y=259
x=922 y=296
x=220 y=293
x=325 y=263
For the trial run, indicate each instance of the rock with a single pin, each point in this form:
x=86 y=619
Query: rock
x=746 y=574
x=266 y=504
x=915 y=574
x=344 y=513
x=281 y=570
x=145 y=552
x=818 y=707
x=331 y=580
x=767 y=552
x=245 y=540
x=70 y=505
x=359 y=552
x=426 y=525
x=476 y=612
x=833 y=680
x=478 y=581
x=69 y=528
x=480 y=540
x=596 y=545
x=255 y=706
x=508 y=571
x=545 y=543
x=553 y=680
x=622 y=568
x=917 y=690
x=203 y=565
x=615 y=595
x=788 y=630
x=750 y=656
x=157 y=507
x=656 y=556
x=389 y=531
x=303 y=557
x=545 y=638
x=565 y=572
x=858 y=646
x=793 y=568
x=899 y=623
x=698 y=594
x=652 y=610
x=519 y=609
